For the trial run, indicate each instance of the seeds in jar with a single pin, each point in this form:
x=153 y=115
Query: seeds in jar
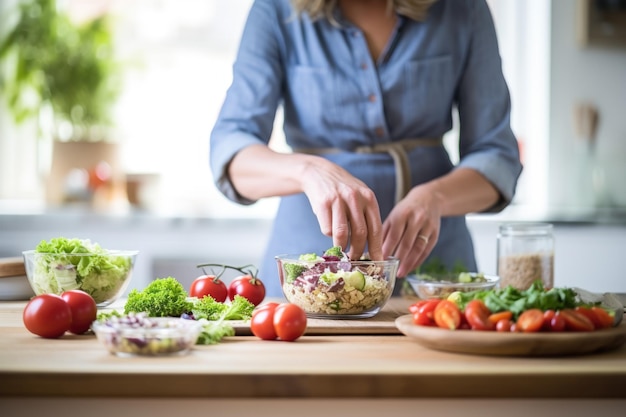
x=520 y=271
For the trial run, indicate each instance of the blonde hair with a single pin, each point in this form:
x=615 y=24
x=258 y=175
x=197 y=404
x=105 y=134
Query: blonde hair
x=317 y=9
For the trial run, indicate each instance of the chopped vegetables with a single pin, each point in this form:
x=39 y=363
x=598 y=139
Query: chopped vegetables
x=166 y=297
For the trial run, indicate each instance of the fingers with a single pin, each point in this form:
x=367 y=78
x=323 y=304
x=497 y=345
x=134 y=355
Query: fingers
x=346 y=209
x=353 y=221
x=422 y=245
x=410 y=237
x=340 y=230
x=366 y=227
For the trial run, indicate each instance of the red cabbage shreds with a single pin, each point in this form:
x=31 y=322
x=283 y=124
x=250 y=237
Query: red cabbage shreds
x=307 y=281
x=318 y=269
x=331 y=258
x=336 y=285
x=344 y=265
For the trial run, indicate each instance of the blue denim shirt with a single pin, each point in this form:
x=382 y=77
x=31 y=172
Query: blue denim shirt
x=335 y=96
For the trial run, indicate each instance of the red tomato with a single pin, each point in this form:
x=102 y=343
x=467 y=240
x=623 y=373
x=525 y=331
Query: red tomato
x=289 y=322
x=447 y=315
x=209 y=285
x=499 y=316
x=84 y=310
x=530 y=321
x=604 y=318
x=47 y=315
x=477 y=315
x=548 y=315
x=262 y=321
x=576 y=321
x=413 y=308
x=586 y=311
x=248 y=287
x=422 y=319
x=557 y=323
x=504 y=325
x=423 y=312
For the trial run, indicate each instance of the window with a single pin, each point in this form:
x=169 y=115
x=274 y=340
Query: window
x=179 y=58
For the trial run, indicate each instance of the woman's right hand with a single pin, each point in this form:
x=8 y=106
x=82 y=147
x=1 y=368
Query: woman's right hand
x=346 y=208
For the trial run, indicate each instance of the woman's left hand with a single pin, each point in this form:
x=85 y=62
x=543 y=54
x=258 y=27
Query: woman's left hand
x=411 y=230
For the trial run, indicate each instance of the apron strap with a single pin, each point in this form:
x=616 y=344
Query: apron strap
x=398 y=151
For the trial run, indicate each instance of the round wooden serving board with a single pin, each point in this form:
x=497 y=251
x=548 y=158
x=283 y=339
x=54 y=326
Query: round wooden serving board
x=513 y=344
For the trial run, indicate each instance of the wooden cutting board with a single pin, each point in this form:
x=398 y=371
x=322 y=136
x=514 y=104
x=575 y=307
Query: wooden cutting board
x=12 y=267
x=383 y=323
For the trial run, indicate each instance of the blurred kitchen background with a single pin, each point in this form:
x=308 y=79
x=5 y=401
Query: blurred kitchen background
x=143 y=181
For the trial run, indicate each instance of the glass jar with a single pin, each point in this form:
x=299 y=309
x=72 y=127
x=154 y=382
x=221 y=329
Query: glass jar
x=525 y=254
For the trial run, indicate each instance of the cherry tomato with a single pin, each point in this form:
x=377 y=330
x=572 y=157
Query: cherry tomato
x=447 y=315
x=413 y=308
x=504 y=325
x=423 y=312
x=209 y=285
x=499 y=316
x=248 y=287
x=262 y=321
x=600 y=318
x=423 y=319
x=586 y=311
x=548 y=315
x=84 y=310
x=604 y=318
x=477 y=315
x=530 y=320
x=576 y=321
x=557 y=323
x=47 y=315
x=289 y=322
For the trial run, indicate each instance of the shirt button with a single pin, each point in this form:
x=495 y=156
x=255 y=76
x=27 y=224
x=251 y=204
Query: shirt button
x=379 y=131
x=364 y=66
x=372 y=98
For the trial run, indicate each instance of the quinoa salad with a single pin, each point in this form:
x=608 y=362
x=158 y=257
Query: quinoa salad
x=332 y=285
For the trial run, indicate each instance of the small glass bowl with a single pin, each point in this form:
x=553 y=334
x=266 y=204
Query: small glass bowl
x=137 y=335
x=442 y=285
x=54 y=273
x=355 y=289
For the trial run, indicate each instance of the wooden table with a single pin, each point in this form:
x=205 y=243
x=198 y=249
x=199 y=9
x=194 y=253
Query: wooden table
x=377 y=366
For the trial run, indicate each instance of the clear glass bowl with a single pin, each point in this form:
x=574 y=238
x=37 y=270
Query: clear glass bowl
x=337 y=289
x=137 y=335
x=104 y=276
x=442 y=285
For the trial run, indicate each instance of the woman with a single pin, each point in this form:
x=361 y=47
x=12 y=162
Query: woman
x=368 y=88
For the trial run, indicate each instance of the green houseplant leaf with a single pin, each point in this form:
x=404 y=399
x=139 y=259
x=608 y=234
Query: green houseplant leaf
x=48 y=60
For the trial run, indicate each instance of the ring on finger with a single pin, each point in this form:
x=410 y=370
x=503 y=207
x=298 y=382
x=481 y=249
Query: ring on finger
x=424 y=238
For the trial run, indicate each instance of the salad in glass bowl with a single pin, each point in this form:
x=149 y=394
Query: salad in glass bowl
x=333 y=286
x=63 y=264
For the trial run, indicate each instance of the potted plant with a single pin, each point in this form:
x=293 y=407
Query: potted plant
x=64 y=73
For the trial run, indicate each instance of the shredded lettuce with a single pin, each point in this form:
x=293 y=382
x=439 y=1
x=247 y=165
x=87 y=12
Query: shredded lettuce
x=63 y=264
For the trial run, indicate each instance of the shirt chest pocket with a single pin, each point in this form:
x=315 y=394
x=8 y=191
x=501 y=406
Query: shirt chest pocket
x=429 y=84
x=321 y=100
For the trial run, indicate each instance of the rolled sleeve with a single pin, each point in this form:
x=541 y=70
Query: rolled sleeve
x=247 y=114
x=486 y=142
